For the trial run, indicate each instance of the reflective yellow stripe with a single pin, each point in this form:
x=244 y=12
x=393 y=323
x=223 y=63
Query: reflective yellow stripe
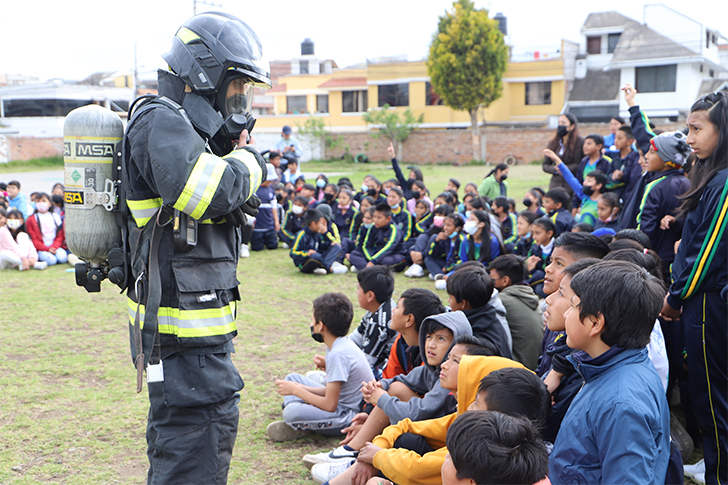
x=201 y=185
x=256 y=172
x=190 y=323
x=143 y=210
x=186 y=35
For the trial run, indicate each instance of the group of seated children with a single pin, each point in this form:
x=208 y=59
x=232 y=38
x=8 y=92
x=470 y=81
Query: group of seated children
x=32 y=233
x=451 y=400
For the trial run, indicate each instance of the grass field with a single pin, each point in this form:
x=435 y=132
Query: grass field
x=69 y=412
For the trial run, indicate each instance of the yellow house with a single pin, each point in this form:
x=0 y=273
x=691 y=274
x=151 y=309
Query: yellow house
x=532 y=90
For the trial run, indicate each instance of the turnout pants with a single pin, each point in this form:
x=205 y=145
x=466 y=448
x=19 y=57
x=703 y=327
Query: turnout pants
x=193 y=420
x=705 y=317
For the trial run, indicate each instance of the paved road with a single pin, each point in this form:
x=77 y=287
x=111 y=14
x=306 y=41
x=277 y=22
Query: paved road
x=34 y=181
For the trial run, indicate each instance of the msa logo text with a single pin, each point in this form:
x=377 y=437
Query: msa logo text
x=74 y=198
x=99 y=150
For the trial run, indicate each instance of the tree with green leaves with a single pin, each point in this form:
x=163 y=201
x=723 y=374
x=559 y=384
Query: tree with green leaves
x=315 y=128
x=392 y=126
x=467 y=60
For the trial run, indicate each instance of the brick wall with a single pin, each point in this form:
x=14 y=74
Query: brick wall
x=29 y=147
x=455 y=146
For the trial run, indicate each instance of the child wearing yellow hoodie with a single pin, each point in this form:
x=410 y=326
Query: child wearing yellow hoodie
x=477 y=382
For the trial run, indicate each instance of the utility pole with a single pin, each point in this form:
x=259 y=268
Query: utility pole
x=203 y=2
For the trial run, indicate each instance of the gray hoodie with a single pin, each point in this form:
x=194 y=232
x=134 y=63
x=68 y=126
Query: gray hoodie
x=424 y=379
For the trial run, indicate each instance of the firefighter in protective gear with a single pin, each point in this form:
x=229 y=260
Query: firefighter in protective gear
x=189 y=180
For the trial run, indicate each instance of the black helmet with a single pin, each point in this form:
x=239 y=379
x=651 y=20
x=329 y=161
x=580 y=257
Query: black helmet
x=212 y=49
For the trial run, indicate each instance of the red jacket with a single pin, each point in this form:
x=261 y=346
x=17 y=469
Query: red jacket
x=33 y=228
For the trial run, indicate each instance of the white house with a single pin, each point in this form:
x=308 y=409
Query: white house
x=670 y=59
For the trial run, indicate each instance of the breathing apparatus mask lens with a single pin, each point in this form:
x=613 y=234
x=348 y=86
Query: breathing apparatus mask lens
x=238 y=96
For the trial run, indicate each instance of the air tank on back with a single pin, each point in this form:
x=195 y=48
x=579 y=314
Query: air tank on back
x=90 y=135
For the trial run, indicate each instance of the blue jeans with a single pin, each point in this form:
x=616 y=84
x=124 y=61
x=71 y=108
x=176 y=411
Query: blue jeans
x=61 y=256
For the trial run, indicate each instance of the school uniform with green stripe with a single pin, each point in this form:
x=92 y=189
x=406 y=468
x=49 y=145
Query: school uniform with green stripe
x=700 y=274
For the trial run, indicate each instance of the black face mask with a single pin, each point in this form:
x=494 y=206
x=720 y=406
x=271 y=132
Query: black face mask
x=328 y=197
x=58 y=199
x=416 y=194
x=372 y=192
x=562 y=130
x=527 y=202
x=504 y=176
x=588 y=191
x=317 y=336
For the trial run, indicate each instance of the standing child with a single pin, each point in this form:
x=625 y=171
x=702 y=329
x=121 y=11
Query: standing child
x=267 y=225
x=625 y=172
x=666 y=183
x=700 y=278
x=309 y=406
x=16 y=249
x=45 y=229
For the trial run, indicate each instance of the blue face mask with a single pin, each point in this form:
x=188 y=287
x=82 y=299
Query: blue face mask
x=467 y=214
x=364 y=187
x=453 y=235
x=461 y=207
x=367 y=225
x=320 y=183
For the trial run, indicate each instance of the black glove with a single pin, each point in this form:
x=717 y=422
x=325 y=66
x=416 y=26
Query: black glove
x=237 y=217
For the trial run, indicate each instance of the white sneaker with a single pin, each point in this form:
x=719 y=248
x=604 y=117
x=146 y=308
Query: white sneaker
x=40 y=265
x=337 y=455
x=441 y=285
x=323 y=472
x=318 y=376
x=338 y=268
x=416 y=271
x=320 y=271
x=244 y=251
x=694 y=469
x=353 y=269
x=285 y=246
x=698 y=478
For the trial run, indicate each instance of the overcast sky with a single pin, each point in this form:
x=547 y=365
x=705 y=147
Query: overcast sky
x=72 y=39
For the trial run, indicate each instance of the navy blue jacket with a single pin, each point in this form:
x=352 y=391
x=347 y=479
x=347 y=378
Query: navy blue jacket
x=403 y=220
x=562 y=219
x=379 y=243
x=292 y=224
x=602 y=164
x=343 y=219
x=700 y=263
x=631 y=171
x=640 y=124
x=306 y=240
x=660 y=198
x=448 y=250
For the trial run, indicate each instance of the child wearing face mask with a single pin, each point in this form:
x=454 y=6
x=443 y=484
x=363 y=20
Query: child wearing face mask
x=444 y=252
x=45 y=229
x=343 y=211
x=293 y=221
x=417 y=253
x=16 y=249
x=608 y=208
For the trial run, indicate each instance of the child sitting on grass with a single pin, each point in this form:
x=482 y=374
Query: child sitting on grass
x=417 y=395
x=613 y=307
x=309 y=406
x=556 y=203
x=414 y=305
x=608 y=210
x=525 y=236
x=382 y=244
x=539 y=255
x=444 y=253
x=414 y=451
x=311 y=251
x=293 y=221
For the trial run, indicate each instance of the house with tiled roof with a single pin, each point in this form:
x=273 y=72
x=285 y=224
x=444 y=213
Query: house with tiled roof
x=670 y=59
